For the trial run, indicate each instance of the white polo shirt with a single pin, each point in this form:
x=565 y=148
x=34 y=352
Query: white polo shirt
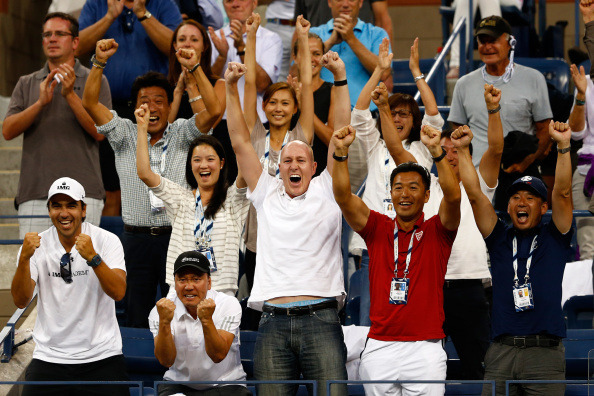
x=298 y=241
x=76 y=322
x=191 y=361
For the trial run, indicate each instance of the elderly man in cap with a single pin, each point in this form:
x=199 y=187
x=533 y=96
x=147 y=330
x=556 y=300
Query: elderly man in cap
x=79 y=271
x=525 y=106
x=527 y=264
x=197 y=332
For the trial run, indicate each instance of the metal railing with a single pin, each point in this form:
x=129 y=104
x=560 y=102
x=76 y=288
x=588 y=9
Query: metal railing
x=445 y=382
x=566 y=382
x=312 y=383
x=8 y=332
x=139 y=384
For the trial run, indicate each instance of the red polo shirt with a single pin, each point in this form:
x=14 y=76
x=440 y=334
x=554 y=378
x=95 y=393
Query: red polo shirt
x=422 y=317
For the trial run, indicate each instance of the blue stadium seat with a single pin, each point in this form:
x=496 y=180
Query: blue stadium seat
x=579 y=390
x=404 y=82
x=355 y=283
x=138 y=348
x=247 y=343
x=579 y=312
x=147 y=391
x=555 y=70
x=454 y=367
x=578 y=344
x=463 y=389
x=113 y=224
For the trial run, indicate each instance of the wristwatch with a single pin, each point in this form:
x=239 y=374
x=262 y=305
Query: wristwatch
x=95 y=261
x=146 y=15
x=563 y=151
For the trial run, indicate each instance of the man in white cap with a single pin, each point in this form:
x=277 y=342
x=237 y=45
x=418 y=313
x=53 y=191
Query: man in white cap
x=79 y=270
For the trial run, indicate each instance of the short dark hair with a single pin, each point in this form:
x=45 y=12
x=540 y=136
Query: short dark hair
x=448 y=134
x=412 y=167
x=151 y=79
x=66 y=17
x=309 y=36
x=220 y=190
x=406 y=100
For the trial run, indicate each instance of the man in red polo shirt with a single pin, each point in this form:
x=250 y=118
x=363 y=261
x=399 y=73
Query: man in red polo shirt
x=406 y=294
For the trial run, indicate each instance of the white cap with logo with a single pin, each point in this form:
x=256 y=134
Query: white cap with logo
x=67 y=186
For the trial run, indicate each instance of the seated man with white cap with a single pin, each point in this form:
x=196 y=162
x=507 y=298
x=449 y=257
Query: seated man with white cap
x=197 y=332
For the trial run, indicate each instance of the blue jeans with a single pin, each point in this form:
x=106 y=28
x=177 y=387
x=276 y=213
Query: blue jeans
x=310 y=345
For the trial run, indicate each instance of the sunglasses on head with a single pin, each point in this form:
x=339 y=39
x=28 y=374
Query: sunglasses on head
x=65 y=270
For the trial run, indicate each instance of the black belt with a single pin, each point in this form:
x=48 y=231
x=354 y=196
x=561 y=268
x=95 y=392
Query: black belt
x=148 y=230
x=279 y=21
x=529 y=341
x=457 y=283
x=299 y=310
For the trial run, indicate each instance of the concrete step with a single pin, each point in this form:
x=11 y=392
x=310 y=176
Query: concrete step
x=9 y=183
x=7 y=207
x=10 y=158
x=9 y=231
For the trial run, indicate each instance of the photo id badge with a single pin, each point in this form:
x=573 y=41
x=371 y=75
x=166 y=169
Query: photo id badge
x=157 y=205
x=399 y=291
x=209 y=254
x=523 y=297
x=389 y=208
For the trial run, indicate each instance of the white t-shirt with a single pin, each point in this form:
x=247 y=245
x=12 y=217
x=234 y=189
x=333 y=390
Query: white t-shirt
x=377 y=152
x=469 y=252
x=76 y=322
x=298 y=241
x=192 y=363
x=587 y=134
x=269 y=51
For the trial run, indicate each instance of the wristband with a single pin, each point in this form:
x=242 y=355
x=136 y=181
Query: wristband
x=196 y=66
x=340 y=159
x=494 y=110
x=96 y=63
x=340 y=83
x=95 y=261
x=580 y=102
x=422 y=76
x=146 y=16
x=194 y=99
x=563 y=151
x=441 y=156
x=240 y=53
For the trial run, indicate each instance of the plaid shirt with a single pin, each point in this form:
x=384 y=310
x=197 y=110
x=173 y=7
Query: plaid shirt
x=121 y=134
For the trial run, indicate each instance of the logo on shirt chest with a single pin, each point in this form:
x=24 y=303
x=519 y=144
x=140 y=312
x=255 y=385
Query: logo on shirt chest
x=52 y=274
x=419 y=235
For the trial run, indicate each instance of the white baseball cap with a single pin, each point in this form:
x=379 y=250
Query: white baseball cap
x=67 y=186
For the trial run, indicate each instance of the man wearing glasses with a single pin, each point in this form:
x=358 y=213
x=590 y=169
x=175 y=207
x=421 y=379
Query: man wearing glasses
x=79 y=271
x=46 y=108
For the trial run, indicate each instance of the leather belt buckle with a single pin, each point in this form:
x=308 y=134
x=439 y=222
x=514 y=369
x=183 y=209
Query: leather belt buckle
x=292 y=311
x=154 y=231
x=520 y=344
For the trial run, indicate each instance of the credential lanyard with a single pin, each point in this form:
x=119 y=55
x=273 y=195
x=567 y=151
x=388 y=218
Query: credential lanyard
x=408 y=254
x=164 y=154
x=387 y=173
x=528 y=262
x=203 y=226
x=267 y=152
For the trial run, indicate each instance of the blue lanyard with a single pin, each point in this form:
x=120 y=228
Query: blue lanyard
x=203 y=226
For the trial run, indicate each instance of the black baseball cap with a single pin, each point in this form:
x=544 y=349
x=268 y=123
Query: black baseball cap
x=192 y=259
x=493 y=26
x=529 y=183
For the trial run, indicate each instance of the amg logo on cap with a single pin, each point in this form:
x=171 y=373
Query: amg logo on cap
x=63 y=187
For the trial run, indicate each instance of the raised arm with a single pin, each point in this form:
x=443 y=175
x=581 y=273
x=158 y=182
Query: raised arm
x=165 y=350
x=143 y=165
x=22 y=286
x=389 y=131
x=247 y=159
x=306 y=119
x=90 y=100
x=384 y=63
x=426 y=93
x=491 y=159
x=342 y=104
x=89 y=36
x=250 y=92
x=561 y=196
x=217 y=342
x=587 y=10
x=354 y=210
x=449 y=209
x=577 y=117
x=206 y=118
x=484 y=214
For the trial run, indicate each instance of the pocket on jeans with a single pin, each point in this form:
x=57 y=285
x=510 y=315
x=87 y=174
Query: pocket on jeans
x=264 y=319
x=328 y=315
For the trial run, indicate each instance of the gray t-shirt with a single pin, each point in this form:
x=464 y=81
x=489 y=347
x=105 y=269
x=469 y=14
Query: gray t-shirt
x=258 y=137
x=524 y=101
x=56 y=145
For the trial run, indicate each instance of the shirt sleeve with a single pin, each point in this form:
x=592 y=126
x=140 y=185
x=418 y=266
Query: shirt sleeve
x=88 y=14
x=231 y=316
x=257 y=196
x=117 y=130
x=186 y=130
x=435 y=121
x=168 y=13
x=378 y=36
x=368 y=232
x=565 y=239
x=240 y=205
x=17 y=100
x=153 y=321
x=172 y=195
x=457 y=112
x=367 y=133
x=541 y=107
x=495 y=236
x=112 y=252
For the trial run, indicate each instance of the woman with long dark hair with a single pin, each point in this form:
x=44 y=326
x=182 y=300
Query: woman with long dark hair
x=210 y=216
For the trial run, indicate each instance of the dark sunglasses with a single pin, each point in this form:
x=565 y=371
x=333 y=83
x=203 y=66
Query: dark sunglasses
x=65 y=270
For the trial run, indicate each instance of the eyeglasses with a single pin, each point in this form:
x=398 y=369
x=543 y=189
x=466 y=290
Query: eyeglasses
x=402 y=113
x=66 y=273
x=58 y=33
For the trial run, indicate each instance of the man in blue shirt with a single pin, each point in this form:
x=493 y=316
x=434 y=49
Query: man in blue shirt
x=356 y=42
x=527 y=264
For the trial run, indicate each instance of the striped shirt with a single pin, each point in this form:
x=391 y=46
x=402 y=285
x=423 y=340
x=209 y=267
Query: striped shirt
x=121 y=134
x=228 y=224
